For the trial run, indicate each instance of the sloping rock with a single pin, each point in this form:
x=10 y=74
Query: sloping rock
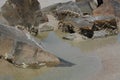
x=23 y=12
x=22 y=50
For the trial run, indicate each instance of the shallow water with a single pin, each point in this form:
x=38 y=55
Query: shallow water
x=82 y=54
x=87 y=63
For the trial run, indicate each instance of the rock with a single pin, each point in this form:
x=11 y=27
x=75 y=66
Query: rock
x=116 y=6
x=99 y=34
x=23 y=12
x=45 y=28
x=106 y=9
x=90 y=25
x=69 y=9
x=93 y=3
x=77 y=17
x=22 y=50
x=3 y=20
x=69 y=37
x=76 y=25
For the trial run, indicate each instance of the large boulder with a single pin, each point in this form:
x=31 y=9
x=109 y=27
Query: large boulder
x=23 y=12
x=22 y=50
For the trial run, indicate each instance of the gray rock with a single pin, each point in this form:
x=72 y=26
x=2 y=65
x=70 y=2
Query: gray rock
x=69 y=37
x=45 y=28
x=22 y=50
x=23 y=12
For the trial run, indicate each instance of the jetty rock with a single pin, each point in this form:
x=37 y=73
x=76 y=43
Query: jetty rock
x=23 y=50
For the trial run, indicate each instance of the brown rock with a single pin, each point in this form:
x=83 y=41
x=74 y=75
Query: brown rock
x=23 y=12
x=22 y=50
x=6 y=45
x=106 y=9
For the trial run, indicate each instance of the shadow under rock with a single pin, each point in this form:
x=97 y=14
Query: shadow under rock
x=65 y=63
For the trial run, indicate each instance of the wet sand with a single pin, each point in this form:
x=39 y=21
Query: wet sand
x=110 y=56
x=10 y=72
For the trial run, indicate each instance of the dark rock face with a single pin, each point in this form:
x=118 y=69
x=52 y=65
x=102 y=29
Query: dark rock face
x=20 y=49
x=23 y=12
x=99 y=2
x=88 y=26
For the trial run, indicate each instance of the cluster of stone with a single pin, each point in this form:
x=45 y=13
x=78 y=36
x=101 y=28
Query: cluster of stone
x=17 y=46
x=25 y=13
x=88 y=17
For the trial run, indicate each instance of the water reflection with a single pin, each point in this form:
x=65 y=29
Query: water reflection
x=87 y=46
x=85 y=65
x=76 y=64
x=92 y=45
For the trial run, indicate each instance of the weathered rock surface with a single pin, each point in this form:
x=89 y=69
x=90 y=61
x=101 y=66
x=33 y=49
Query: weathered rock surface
x=105 y=9
x=22 y=50
x=23 y=12
x=69 y=9
x=46 y=28
x=90 y=25
x=116 y=6
x=77 y=17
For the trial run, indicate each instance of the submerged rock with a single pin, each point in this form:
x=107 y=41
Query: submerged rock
x=46 y=28
x=22 y=50
x=69 y=37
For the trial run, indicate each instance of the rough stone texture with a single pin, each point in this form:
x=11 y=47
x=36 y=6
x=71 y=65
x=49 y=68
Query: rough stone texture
x=105 y=9
x=22 y=50
x=90 y=25
x=69 y=9
x=23 y=12
x=116 y=6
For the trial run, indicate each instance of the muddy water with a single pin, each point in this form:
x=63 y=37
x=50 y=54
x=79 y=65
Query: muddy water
x=82 y=54
x=86 y=63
